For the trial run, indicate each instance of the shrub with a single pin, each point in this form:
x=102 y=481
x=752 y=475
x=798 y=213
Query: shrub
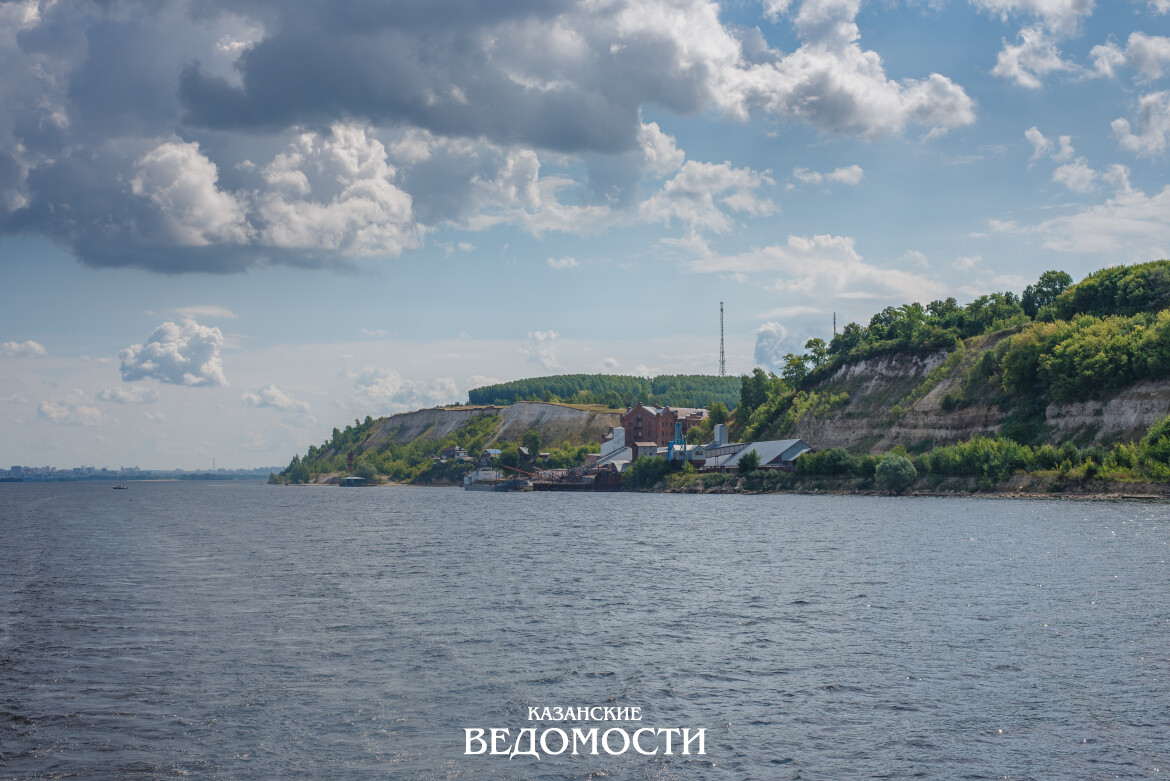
x=1155 y=445
x=835 y=461
x=749 y=462
x=895 y=473
x=646 y=472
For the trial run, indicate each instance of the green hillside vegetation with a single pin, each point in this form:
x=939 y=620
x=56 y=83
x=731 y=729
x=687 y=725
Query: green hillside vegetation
x=614 y=391
x=1057 y=342
x=411 y=462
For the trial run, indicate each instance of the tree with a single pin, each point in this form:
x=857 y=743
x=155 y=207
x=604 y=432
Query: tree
x=895 y=473
x=510 y=455
x=880 y=323
x=1050 y=285
x=817 y=350
x=985 y=311
x=851 y=336
x=719 y=413
x=753 y=392
x=531 y=440
x=367 y=471
x=794 y=369
x=297 y=471
x=1155 y=445
x=941 y=310
x=645 y=472
x=749 y=462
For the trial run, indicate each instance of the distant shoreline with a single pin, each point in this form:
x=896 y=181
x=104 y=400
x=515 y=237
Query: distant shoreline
x=1107 y=495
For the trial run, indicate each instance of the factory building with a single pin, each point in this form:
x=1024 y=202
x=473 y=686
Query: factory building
x=652 y=423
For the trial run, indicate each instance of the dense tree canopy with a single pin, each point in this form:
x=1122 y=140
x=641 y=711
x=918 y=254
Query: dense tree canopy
x=613 y=390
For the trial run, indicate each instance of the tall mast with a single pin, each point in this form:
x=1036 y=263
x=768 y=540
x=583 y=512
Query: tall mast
x=722 y=358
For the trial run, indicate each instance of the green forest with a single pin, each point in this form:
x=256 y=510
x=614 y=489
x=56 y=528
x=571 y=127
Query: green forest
x=614 y=390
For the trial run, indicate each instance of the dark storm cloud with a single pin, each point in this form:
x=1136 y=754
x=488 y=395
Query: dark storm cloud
x=444 y=81
x=208 y=135
x=126 y=80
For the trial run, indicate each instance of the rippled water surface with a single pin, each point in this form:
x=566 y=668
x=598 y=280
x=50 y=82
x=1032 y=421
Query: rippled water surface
x=247 y=631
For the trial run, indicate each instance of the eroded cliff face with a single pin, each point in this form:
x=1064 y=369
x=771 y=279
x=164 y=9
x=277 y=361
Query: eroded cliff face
x=1127 y=415
x=875 y=386
x=555 y=422
x=927 y=421
x=429 y=423
x=884 y=410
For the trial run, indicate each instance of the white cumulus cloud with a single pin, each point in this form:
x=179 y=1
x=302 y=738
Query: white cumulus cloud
x=73 y=410
x=660 y=153
x=273 y=397
x=1041 y=146
x=1027 y=62
x=772 y=344
x=847 y=175
x=702 y=194
x=835 y=85
x=541 y=348
x=1147 y=54
x=182 y=184
x=1058 y=15
x=187 y=354
x=135 y=394
x=205 y=310
x=563 y=263
x=380 y=390
x=1076 y=176
x=824 y=265
x=1130 y=225
x=359 y=209
x=1152 y=126
x=28 y=349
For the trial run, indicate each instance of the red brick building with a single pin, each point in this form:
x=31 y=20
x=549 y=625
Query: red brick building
x=652 y=423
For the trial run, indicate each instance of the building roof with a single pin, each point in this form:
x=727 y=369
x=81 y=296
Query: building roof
x=686 y=412
x=773 y=452
x=645 y=444
x=621 y=454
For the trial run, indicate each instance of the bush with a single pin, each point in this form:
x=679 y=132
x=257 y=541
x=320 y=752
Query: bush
x=895 y=473
x=835 y=461
x=749 y=462
x=366 y=471
x=646 y=472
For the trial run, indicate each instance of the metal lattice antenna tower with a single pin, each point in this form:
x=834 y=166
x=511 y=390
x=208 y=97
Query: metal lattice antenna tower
x=722 y=358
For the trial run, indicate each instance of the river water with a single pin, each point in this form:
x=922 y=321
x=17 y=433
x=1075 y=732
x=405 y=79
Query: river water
x=249 y=631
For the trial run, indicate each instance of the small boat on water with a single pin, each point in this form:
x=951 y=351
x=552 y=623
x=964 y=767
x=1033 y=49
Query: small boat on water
x=122 y=486
x=494 y=480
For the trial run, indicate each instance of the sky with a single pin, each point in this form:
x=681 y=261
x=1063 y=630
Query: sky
x=226 y=228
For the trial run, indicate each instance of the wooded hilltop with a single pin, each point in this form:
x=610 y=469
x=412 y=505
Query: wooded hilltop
x=1064 y=387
